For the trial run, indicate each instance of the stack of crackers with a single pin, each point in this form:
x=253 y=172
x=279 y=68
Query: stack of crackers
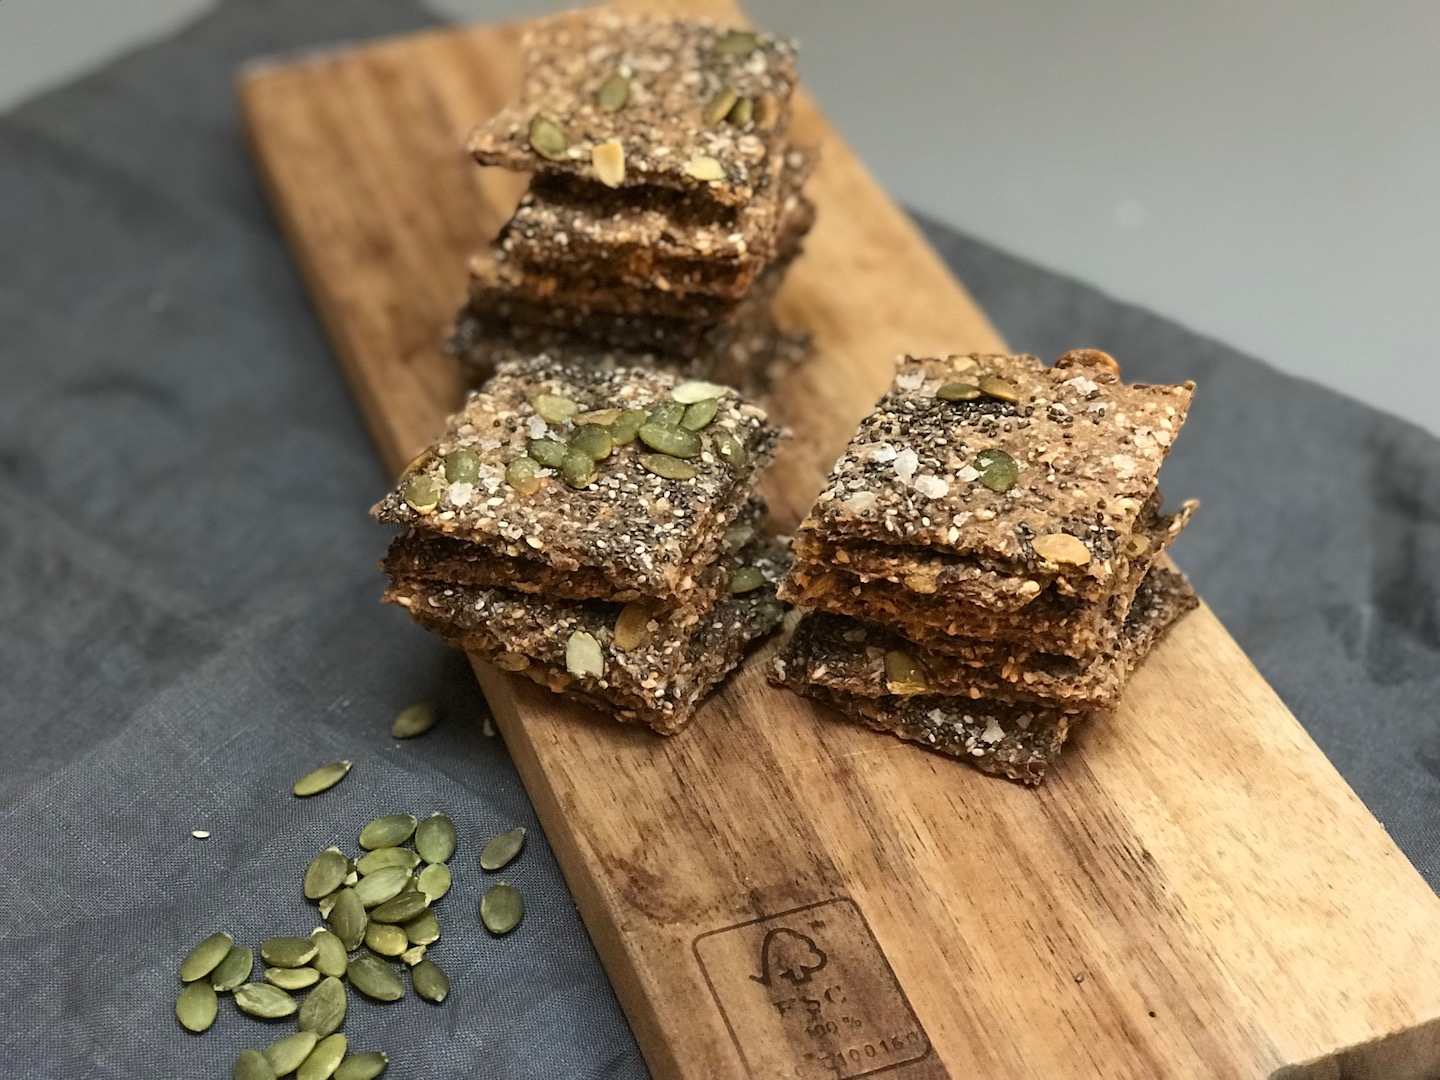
x=664 y=208
x=985 y=565
x=595 y=530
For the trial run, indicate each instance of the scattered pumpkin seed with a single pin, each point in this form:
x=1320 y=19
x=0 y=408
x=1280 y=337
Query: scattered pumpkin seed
x=205 y=957
x=1061 y=548
x=694 y=391
x=321 y=779
x=348 y=919
x=413 y=955
x=670 y=468
x=668 y=413
x=324 y=1008
x=424 y=929
x=704 y=168
x=767 y=112
x=601 y=417
x=737 y=536
x=330 y=956
x=265 y=1001
x=579 y=469
x=627 y=425
x=999 y=389
x=737 y=43
x=434 y=881
x=251 y=1065
x=742 y=112
x=730 y=450
x=502 y=849
x=381 y=886
x=523 y=474
x=326 y=873
x=422 y=493
x=392 y=830
x=375 y=979
x=510 y=661
x=614 y=93
x=583 y=657
x=501 y=908
x=429 y=981
x=296 y=978
x=903 y=674
x=414 y=720
x=700 y=414
x=593 y=441
x=362 y=1066
x=196 y=1006
x=608 y=158
x=547 y=138
x=402 y=909
x=675 y=441
x=324 y=1059
x=998 y=470
x=328 y=904
x=632 y=626
x=200 y=834
x=435 y=839
x=285 y=1055
x=958 y=391
x=548 y=452
x=387 y=858
x=288 y=952
x=554 y=409
x=234 y=969
x=746 y=579
x=718 y=107
x=385 y=939
x=462 y=466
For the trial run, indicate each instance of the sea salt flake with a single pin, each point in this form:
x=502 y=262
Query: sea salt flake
x=932 y=487
x=1124 y=465
x=910 y=381
x=968 y=474
x=461 y=494
x=905 y=464
x=881 y=454
x=993 y=732
x=1083 y=386
x=538 y=429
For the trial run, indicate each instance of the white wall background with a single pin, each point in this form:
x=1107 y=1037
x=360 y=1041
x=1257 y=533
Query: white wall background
x=1265 y=171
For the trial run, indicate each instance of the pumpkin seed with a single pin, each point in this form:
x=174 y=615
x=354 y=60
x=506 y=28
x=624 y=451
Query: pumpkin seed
x=999 y=389
x=328 y=904
x=321 y=779
x=677 y=442
x=523 y=474
x=742 y=113
x=375 y=979
x=554 y=409
x=362 y=1066
x=435 y=839
x=1061 y=548
x=547 y=138
x=413 y=955
x=579 y=469
x=429 y=981
x=502 y=849
x=382 y=886
x=746 y=579
x=385 y=939
x=196 y=1006
x=608 y=158
x=324 y=1008
x=593 y=441
x=998 y=470
x=700 y=414
x=348 y=919
x=600 y=417
x=548 y=452
x=234 y=969
x=730 y=450
x=632 y=626
x=718 y=107
x=422 y=493
x=668 y=413
x=434 y=881
x=265 y=1001
x=958 y=391
x=387 y=858
x=205 y=957
x=251 y=1065
x=326 y=873
x=402 y=909
x=903 y=674
x=462 y=466
x=704 y=168
x=324 y=1059
x=737 y=43
x=297 y=978
x=288 y=952
x=285 y=1055
x=767 y=112
x=737 y=536
x=424 y=929
x=414 y=720
x=693 y=391
x=583 y=657
x=614 y=93
x=670 y=468
x=392 y=830
x=330 y=956
x=501 y=908
x=627 y=426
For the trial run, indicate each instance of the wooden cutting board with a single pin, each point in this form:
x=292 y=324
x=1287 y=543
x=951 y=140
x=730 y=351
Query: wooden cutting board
x=1193 y=893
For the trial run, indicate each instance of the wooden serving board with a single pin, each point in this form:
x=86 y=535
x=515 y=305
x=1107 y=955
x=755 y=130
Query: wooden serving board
x=1194 y=892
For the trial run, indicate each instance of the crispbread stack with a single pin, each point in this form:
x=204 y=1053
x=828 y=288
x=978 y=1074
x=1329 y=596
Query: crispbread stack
x=985 y=565
x=595 y=529
x=665 y=205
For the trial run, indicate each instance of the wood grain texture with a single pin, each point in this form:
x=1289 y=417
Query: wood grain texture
x=1194 y=892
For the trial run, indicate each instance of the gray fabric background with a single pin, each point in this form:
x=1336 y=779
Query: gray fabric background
x=188 y=615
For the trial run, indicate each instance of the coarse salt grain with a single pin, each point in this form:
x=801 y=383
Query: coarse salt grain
x=905 y=464
x=932 y=487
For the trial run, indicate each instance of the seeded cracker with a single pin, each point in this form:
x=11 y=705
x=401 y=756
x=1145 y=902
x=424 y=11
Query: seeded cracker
x=674 y=73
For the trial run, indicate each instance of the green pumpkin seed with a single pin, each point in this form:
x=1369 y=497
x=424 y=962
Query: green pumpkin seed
x=501 y=908
x=385 y=939
x=297 y=978
x=547 y=138
x=348 y=919
x=746 y=579
x=251 y=1065
x=695 y=391
x=767 y=112
x=675 y=441
x=593 y=441
x=737 y=536
x=321 y=779
x=414 y=720
x=429 y=981
x=742 y=112
x=958 y=391
x=434 y=881
x=667 y=414
x=422 y=493
x=330 y=956
x=413 y=955
x=523 y=474
x=632 y=626
x=583 y=656
x=196 y=1006
x=402 y=909
x=548 y=452
x=998 y=471
x=435 y=839
x=326 y=873
x=375 y=979
x=392 y=830
x=462 y=466
x=614 y=93
x=324 y=1008
x=502 y=849
x=328 y=904
x=285 y=1055
x=554 y=409
x=700 y=414
x=718 y=107
x=999 y=389
x=904 y=675
x=234 y=969
x=737 y=43
x=387 y=858
x=288 y=952
x=265 y=1001
x=324 y=1059
x=375 y=889
x=624 y=429
x=600 y=417
x=424 y=929
x=362 y=1066
x=579 y=469
x=730 y=450
x=205 y=957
